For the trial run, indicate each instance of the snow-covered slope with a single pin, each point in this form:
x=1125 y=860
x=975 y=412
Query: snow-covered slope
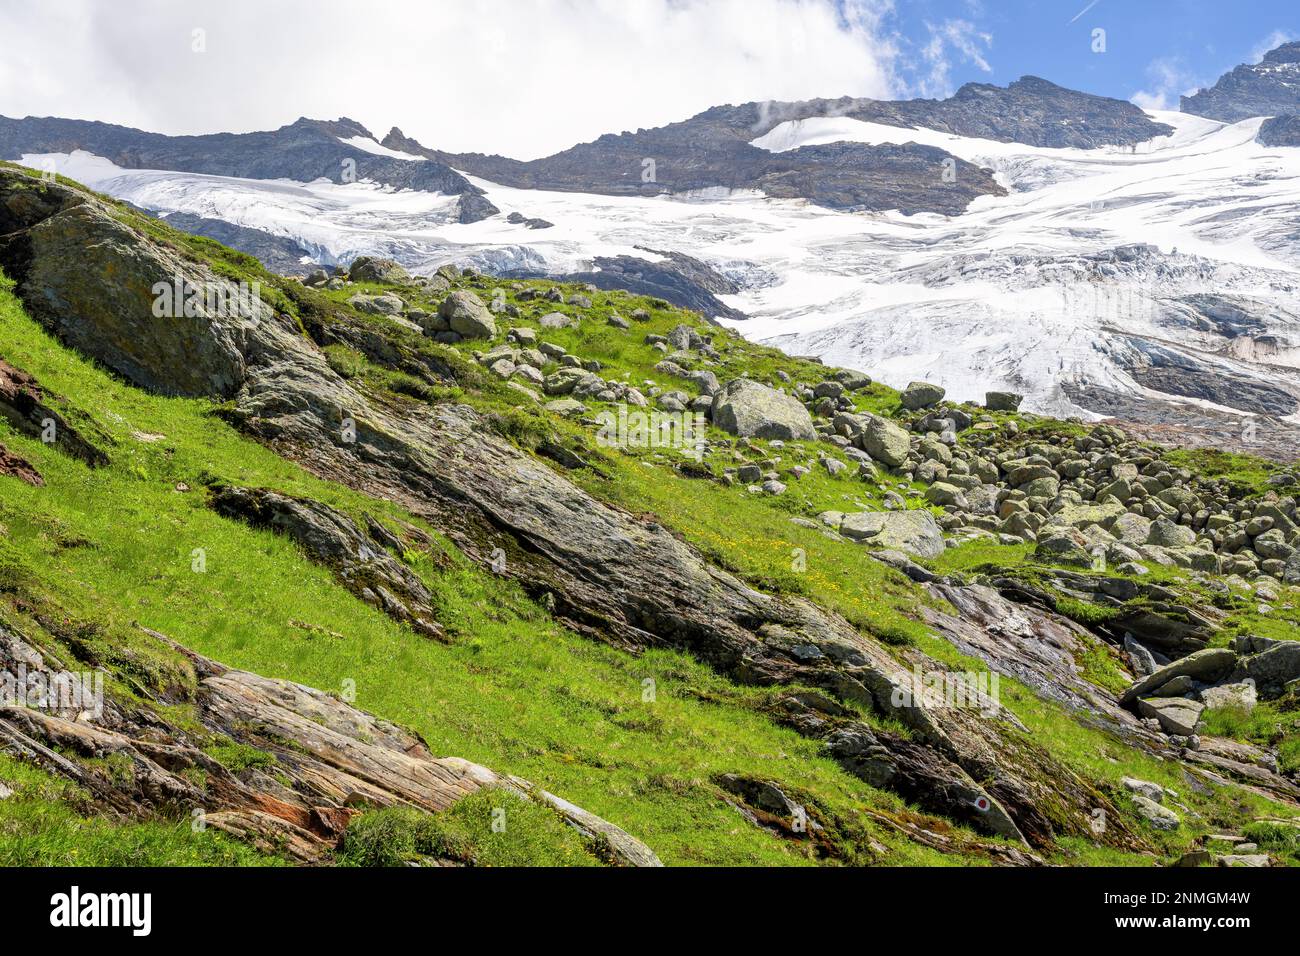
x=1166 y=269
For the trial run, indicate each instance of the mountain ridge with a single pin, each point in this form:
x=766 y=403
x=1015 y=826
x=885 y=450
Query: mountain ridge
x=303 y=150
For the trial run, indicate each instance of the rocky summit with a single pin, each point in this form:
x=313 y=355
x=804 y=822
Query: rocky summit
x=1268 y=88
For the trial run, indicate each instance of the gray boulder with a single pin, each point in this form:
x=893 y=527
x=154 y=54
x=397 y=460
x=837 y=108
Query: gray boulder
x=387 y=304
x=1160 y=817
x=884 y=441
x=556 y=320
x=920 y=395
x=467 y=315
x=852 y=380
x=1176 y=715
x=1165 y=534
x=1236 y=696
x=1207 y=665
x=1131 y=529
x=1003 y=401
x=912 y=532
x=1064 y=546
x=1272 y=669
x=1291 y=574
x=1144 y=788
x=1144 y=664
x=374 y=269
x=751 y=410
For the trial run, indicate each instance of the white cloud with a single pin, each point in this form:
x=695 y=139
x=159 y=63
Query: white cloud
x=951 y=38
x=520 y=77
x=1167 y=80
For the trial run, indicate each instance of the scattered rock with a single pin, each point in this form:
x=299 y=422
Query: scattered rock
x=1003 y=401
x=467 y=316
x=751 y=410
x=913 y=532
x=920 y=395
x=1176 y=715
x=1160 y=817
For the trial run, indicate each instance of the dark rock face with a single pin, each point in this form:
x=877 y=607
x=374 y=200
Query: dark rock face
x=1174 y=373
x=30 y=409
x=1281 y=131
x=713 y=149
x=909 y=178
x=278 y=253
x=1268 y=88
x=16 y=466
x=1031 y=110
x=302 y=151
x=532 y=222
x=678 y=278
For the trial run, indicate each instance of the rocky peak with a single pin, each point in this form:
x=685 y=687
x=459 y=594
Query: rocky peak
x=343 y=127
x=1286 y=53
x=1268 y=88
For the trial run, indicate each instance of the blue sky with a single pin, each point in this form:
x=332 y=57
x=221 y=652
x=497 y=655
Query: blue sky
x=1159 y=48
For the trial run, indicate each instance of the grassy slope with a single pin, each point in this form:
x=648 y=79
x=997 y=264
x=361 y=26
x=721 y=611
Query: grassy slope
x=514 y=691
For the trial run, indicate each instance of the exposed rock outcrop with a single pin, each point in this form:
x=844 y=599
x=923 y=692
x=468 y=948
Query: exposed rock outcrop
x=361 y=561
x=329 y=760
x=32 y=410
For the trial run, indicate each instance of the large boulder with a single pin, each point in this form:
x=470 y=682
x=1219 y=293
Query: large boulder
x=1176 y=715
x=374 y=269
x=1207 y=665
x=1003 y=401
x=1160 y=817
x=565 y=380
x=751 y=410
x=1272 y=669
x=884 y=441
x=465 y=313
x=1165 y=534
x=912 y=532
x=108 y=293
x=920 y=395
x=1241 y=696
x=1291 y=575
x=851 y=379
x=387 y=304
x=1063 y=546
x=1131 y=529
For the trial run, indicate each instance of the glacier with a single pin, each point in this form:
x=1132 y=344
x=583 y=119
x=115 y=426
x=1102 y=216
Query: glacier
x=1164 y=274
